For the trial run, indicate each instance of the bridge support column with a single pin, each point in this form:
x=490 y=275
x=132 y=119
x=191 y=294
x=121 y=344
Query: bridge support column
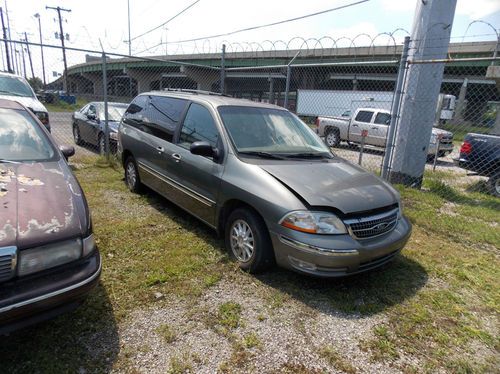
x=143 y=78
x=204 y=78
x=96 y=79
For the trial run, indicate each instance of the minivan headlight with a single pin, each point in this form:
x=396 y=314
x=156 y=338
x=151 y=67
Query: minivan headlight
x=314 y=222
x=48 y=256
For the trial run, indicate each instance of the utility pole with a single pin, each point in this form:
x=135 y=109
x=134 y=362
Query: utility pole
x=12 y=45
x=429 y=40
x=129 y=41
x=37 y=15
x=24 y=62
x=61 y=36
x=4 y=30
x=29 y=54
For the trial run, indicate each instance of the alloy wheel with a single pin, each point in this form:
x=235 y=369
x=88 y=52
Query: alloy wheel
x=242 y=240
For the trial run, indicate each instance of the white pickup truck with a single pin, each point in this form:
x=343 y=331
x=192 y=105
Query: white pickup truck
x=376 y=122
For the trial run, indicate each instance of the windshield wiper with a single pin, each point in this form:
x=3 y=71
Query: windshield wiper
x=8 y=161
x=308 y=155
x=262 y=154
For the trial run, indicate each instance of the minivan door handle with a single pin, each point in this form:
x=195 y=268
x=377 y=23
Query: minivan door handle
x=160 y=149
x=176 y=157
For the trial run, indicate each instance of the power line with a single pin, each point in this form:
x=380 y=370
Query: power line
x=271 y=24
x=167 y=21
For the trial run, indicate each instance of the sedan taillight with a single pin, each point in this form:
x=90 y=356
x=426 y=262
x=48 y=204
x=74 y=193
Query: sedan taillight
x=466 y=148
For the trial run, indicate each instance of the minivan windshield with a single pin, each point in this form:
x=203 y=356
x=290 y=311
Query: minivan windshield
x=14 y=86
x=22 y=139
x=271 y=132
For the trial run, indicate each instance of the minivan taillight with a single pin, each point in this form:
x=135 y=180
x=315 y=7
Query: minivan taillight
x=317 y=121
x=466 y=148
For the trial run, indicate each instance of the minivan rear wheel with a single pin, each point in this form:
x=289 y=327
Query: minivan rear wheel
x=247 y=241
x=132 y=175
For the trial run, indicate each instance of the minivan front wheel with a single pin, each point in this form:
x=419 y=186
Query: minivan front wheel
x=132 y=175
x=247 y=241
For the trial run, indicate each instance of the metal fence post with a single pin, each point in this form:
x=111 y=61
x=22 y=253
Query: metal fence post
x=395 y=109
x=223 y=70
x=105 y=99
x=288 y=78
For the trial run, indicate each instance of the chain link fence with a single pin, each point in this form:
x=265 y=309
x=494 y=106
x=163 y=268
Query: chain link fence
x=367 y=103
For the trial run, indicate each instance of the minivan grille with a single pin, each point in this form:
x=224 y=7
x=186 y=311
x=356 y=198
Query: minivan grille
x=8 y=261
x=368 y=227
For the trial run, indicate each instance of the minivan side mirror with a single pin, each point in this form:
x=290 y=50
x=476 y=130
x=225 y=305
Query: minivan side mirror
x=67 y=151
x=91 y=116
x=202 y=148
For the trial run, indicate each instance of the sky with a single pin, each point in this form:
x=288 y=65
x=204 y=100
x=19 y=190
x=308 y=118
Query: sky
x=92 y=22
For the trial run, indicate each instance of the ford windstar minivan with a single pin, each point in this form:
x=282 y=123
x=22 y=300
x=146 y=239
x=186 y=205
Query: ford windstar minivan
x=261 y=177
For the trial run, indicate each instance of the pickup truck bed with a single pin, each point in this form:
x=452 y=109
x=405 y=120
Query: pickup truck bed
x=481 y=154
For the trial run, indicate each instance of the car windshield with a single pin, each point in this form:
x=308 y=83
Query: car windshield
x=14 y=86
x=262 y=131
x=21 y=138
x=115 y=112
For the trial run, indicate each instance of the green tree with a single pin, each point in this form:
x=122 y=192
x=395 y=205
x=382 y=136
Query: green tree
x=35 y=83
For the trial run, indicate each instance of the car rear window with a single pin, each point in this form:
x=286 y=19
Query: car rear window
x=364 y=116
x=22 y=139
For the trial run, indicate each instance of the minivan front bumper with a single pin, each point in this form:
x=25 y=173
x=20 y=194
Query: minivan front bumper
x=337 y=255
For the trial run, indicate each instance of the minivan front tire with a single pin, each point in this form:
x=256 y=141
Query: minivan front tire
x=247 y=241
x=132 y=179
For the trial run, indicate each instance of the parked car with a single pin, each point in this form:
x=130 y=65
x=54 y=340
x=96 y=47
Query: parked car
x=480 y=154
x=88 y=124
x=261 y=177
x=376 y=122
x=15 y=87
x=48 y=255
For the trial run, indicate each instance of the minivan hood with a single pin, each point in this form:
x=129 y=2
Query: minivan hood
x=39 y=203
x=337 y=183
x=29 y=102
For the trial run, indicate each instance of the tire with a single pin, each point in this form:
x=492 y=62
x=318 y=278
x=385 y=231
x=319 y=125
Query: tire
x=101 y=144
x=132 y=179
x=494 y=184
x=332 y=137
x=243 y=228
x=76 y=135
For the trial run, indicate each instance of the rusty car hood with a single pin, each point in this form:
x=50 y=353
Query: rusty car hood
x=40 y=203
x=336 y=183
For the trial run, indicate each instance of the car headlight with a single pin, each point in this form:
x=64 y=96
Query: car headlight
x=314 y=222
x=88 y=245
x=49 y=256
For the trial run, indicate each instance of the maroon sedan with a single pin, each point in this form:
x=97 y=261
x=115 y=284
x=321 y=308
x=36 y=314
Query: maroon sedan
x=48 y=256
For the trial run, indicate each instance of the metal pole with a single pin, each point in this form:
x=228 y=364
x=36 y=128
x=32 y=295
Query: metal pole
x=395 y=109
x=223 y=70
x=24 y=61
x=9 y=68
x=361 y=149
x=129 y=41
x=41 y=48
x=29 y=55
x=288 y=78
x=61 y=36
x=105 y=98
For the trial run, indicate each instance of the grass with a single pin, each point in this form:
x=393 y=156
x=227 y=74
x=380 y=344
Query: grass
x=439 y=300
x=62 y=106
x=167 y=333
x=336 y=360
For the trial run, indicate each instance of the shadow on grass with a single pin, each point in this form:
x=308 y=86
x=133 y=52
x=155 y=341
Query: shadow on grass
x=450 y=194
x=86 y=338
x=355 y=296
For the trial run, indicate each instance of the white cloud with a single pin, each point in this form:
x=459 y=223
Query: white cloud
x=477 y=9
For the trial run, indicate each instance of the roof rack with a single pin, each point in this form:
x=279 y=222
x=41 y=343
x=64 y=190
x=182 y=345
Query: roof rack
x=196 y=92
